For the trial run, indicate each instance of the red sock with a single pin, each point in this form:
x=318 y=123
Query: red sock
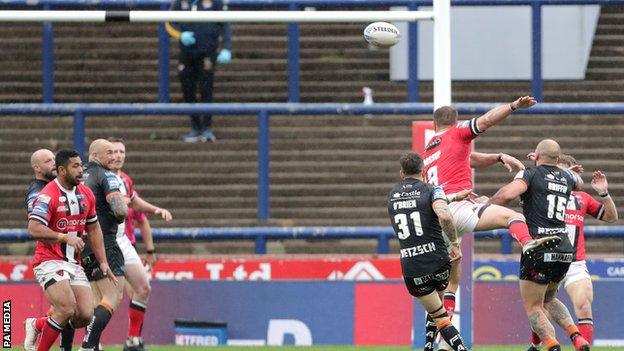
x=449 y=303
x=586 y=328
x=40 y=323
x=519 y=231
x=535 y=339
x=50 y=332
x=136 y=314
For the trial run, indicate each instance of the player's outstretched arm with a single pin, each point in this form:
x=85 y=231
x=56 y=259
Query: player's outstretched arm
x=96 y=243
x=440 y=207
x=601 y=186
x=141 y=205
x=509 y=192
x=482 y=160
x=499 y=113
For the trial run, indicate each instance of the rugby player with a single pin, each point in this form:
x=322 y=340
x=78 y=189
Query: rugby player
x=545 y=191
x=577 y=281
x=418 y=213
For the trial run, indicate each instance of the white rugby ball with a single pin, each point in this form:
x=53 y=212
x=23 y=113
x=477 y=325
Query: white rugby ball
x=382 y=34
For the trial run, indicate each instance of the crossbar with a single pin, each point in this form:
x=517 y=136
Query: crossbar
x=215 y=16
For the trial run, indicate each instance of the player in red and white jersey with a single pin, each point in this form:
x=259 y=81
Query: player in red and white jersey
x=448 y=161
x=62 y=213
x=138 y=286
x=577 y=281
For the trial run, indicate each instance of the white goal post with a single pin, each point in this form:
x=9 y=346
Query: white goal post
x=440 y=16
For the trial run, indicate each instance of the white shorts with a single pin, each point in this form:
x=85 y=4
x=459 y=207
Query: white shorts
x=577 y=271
x=50 y=272
x=466 y=215
x=129 y=252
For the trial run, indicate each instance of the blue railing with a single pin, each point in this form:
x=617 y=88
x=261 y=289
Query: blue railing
x=264 y=111
x=260 y=235
x=293 y=35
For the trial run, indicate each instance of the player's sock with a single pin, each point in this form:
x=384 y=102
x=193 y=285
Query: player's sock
x=449 y=303
x=551 y=344
x=586 y=328
x=136 y=315
x=101 y=316
x=578 y=340
x=49 y=333
x=451 y=335
x=430 y=333
x=519 y=230
x=67 y=337
x=535 y=339
x=40 y=323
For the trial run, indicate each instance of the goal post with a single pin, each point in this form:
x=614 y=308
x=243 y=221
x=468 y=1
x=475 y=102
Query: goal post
x=440 y=16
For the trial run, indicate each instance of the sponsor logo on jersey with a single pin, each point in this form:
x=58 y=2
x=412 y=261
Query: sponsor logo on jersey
x=552 y=231
x=62 y=198
x=61 y=209
x=431 y=158
x=406 y=194
x=43 y=198
x=64 y=223
x=558 y=257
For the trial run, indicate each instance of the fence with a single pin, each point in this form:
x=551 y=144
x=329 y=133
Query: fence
x=293 y=34
x=260 y=235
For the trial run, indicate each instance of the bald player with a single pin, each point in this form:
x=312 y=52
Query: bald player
x=544 y=191
x=112 y=211
x=42 y=163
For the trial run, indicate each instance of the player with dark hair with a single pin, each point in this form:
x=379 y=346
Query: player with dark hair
x=544 y=191
x=419 y=212
x=448 y=161
x=61 y=214
x=577 y=281
x=112 y=211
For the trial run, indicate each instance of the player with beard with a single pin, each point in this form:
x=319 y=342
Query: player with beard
x=62 y=213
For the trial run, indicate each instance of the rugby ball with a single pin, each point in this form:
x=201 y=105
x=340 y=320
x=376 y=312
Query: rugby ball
x=382 y=34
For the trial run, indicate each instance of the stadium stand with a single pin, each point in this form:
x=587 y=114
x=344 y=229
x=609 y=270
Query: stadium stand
x=327 y=170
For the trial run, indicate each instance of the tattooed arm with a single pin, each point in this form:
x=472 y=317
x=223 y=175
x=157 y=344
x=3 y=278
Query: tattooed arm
x=118 y=205
x=440 y=207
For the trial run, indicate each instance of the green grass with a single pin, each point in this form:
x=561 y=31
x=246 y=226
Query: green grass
x=336 y=348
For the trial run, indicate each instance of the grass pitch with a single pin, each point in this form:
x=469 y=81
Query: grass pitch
x=336 y=348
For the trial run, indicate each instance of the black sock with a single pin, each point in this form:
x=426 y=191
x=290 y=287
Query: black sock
x=430 y=333
x=101 y=316
x=452 y=337
x=67 y=337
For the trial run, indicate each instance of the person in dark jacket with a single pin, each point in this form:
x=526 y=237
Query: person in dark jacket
x=199 y=53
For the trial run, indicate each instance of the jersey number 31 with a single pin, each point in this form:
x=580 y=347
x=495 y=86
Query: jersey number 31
x=404 y=230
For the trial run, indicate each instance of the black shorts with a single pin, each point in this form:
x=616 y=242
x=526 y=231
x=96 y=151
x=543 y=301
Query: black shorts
x=115 y=259
x=425 y=285
x=538 y=270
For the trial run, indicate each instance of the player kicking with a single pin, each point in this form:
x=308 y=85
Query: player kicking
x=545 y=190
x=138 y=284
x=447 y=163
x=577 y=281
x=61 y=214
x=419 y=212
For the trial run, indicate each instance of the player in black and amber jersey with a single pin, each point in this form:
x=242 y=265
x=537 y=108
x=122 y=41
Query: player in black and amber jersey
x=544 y=191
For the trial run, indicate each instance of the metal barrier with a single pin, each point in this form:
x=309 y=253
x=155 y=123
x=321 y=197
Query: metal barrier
x=263 y=111
x=260 y=235
x=293 y=34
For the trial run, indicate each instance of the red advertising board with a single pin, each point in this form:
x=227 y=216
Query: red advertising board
x=253 y=268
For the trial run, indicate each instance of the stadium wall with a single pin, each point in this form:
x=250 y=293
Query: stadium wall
x=318 y=312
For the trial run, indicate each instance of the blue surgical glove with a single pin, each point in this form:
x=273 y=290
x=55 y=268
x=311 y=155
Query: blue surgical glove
x=225 y=56
x=187 y=38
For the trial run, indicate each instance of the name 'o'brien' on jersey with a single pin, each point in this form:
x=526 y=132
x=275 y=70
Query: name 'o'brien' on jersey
x=417 y=227
x=447 y=157
x=545 y=202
